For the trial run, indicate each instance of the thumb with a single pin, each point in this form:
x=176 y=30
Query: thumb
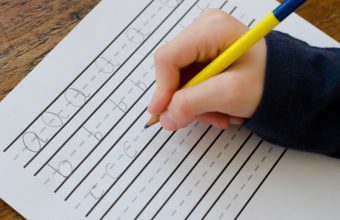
x=187 y=104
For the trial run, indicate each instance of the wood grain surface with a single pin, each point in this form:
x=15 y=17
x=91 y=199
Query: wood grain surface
x=29 y=29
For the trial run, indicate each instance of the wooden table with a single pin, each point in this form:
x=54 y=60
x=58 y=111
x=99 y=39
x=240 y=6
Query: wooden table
x=29 y=29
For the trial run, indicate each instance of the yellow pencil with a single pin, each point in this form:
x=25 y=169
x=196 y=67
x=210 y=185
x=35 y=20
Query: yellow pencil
x=241 y=46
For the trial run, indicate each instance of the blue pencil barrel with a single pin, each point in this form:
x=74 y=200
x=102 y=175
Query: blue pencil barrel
x=286 y=8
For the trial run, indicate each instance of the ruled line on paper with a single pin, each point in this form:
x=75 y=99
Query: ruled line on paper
x=263 y=180
x=193 y=147
x=221 y=172
x=234 y=176
x=186 y=176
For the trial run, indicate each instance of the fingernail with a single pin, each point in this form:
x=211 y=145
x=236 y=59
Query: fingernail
x=167 y=122
x=215 y=124
x=236 y=121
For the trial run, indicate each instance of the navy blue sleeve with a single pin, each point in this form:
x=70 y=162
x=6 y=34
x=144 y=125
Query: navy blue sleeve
x=300 y=106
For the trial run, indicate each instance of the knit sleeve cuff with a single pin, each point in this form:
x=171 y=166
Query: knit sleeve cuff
x=270 y=120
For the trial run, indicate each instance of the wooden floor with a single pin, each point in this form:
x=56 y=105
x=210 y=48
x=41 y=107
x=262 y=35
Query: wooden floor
x=29 y=29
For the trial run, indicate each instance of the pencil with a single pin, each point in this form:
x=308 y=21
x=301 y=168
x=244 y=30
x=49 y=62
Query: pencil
x=241 y=46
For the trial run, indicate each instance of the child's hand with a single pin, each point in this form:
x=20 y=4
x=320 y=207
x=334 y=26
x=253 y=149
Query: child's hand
x=221 y=100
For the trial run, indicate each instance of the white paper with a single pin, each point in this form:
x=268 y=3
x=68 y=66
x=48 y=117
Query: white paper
x=73 y=144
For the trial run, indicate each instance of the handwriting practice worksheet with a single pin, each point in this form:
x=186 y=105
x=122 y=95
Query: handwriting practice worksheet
x=73 y=143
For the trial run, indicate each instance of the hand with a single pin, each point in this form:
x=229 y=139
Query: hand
x=224 y=99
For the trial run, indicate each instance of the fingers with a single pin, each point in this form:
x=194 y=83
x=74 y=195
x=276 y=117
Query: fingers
x=215 y=119
x=220 y=120
x=194 y=44
x=212 y=95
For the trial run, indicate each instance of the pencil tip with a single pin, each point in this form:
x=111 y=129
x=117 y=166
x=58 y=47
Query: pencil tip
x=146 y=126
